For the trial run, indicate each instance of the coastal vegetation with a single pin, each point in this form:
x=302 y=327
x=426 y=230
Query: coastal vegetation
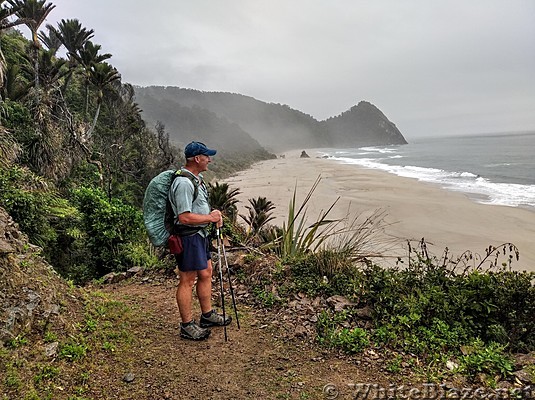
x=440 y=316
x=75 y=157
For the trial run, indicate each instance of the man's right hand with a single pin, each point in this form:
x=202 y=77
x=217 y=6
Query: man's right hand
x=217 y=218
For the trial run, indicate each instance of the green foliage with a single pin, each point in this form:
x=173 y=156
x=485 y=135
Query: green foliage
x=266 y=299
x=17 y=341
x=484 y=358
x=297 y=238
x=223 y=198
x=108 y=321
x=305 y=279
x=109 y=225
x=304 y=275
x=423 y=308
x=12 y=378
x=16 y=117
x=394 y=365
x=106 y=326
x=46 y=372
x=139 y=254
x=339 y=243
x=430 y=305
x=32 y=203
x=50 y=337
x=75 y=349
x=351 y=340
x=259 y=215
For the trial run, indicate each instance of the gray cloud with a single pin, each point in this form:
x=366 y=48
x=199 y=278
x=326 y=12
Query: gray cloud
x=440 y=67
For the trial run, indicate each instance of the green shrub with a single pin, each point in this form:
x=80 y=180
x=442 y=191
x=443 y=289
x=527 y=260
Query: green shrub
x=224 y=199
x=108 y=224
x=332 y=334
x=30 y=202
x=427 y=310
x=259 y=216
x=138 y=254
x=484 y=358
x=444 y=310
x=353 y=340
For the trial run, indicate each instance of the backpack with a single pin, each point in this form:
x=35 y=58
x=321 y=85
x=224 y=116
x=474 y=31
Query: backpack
x=157 y=211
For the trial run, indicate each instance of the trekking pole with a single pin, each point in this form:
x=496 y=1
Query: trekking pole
x=221 y=283
x=230 y=282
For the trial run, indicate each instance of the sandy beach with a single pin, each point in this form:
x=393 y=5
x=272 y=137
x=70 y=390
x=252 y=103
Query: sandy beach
x=413 y=210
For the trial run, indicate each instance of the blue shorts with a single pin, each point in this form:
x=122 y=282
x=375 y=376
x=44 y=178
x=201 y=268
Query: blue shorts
x=195 y=255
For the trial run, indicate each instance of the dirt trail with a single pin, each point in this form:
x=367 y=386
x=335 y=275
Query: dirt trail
x=253 y=364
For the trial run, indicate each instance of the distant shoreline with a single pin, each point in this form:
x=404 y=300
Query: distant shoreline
x=414 y=209
x=475 y=197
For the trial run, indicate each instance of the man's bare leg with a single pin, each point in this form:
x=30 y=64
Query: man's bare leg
x=204 y=288
x=184 y=294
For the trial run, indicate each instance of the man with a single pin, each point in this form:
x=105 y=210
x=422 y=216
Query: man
x=194 y=263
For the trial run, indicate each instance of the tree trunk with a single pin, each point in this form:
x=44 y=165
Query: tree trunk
x=95 y=119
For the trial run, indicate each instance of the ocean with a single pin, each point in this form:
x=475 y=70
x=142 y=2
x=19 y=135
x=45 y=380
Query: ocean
x=490 y=169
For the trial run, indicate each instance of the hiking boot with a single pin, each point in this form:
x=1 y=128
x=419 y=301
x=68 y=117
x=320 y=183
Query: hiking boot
x=214 y=319
x=192 y=331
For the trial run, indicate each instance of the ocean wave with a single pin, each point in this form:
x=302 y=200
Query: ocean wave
x=381 y=150
x=482 y=189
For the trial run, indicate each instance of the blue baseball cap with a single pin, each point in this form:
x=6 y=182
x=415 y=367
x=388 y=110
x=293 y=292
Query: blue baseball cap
x=197 y=148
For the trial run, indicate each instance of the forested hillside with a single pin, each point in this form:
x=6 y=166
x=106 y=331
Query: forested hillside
x=75 y=154
x=188 y=123
x=276 y=127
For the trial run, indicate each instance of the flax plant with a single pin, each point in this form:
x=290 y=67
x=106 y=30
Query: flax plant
x=296 y=237
x=353 y=238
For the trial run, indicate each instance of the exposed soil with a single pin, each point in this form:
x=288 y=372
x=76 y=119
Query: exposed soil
x=253 y=363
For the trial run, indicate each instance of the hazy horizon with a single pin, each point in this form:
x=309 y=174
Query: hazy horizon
x=433 y=68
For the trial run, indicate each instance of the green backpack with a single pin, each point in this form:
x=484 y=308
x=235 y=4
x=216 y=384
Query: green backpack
x=157 y=211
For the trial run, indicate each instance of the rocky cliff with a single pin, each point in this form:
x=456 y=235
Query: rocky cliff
x=362 y=125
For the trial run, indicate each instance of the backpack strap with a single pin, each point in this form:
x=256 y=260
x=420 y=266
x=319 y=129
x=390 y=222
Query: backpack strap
x=192 y=178
x=177 y=229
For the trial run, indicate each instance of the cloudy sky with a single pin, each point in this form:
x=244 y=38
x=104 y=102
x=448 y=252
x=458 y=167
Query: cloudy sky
x=433 y=67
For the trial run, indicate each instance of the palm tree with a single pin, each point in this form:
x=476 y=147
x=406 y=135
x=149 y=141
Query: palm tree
x=259 y=214
x=73 y=36
x=88 y=56
x=224 y=199
x=6 y=13
x=50 y=40
x=34 y=13
x=50 y=69
x=14 y=88
x=101 y=76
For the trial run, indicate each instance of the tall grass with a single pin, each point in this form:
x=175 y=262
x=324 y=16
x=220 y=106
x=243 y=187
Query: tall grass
x=353 y=239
